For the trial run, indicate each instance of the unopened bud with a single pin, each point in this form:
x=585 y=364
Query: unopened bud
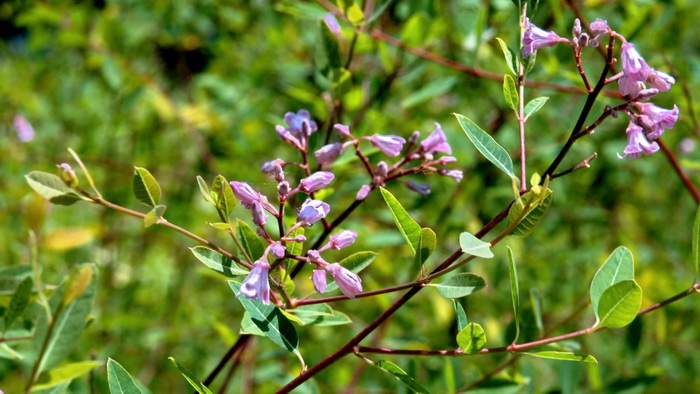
x=646 y=94
x=583 y=40
x=577 y=28
x=67 y=175
x=414 y=138
x=283 y=188
x=382 y=170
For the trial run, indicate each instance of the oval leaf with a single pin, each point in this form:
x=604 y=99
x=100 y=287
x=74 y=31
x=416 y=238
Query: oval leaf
x=568 y=356
x=510 y=92
x=472 y=338
x=51 y=187
x=218 y=262
x=509 y=55
x=619 y=304
x=204 y=189
x=270 y=320
x=485 y=144
x=461 y=315
x=194 y=382
x=535 y=105
x=222 y=194
x=146 y=189
x=426 y=246
x=536 y=205
x=154 y=216
x=120 y=382
x=19 y=302
x=250 y=241
x=618 y=267
x=401 y=375
x=474 y=246
x=66 y=373
x=408 y=227
x=460 y=285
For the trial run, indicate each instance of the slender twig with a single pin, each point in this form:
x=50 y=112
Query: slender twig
x=239 y=344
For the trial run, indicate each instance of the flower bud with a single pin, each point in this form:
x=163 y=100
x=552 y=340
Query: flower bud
x=363 y=192
x=343 y=239
x=456 y=175
x=283 y=188
x=421 y=188
x=314 y=256
x=382 y=170
x=348 y=281
x=245 y=194
x=414 y=137
x=259 y=214
x=315 y=181
x=278 y=250
x=319 y=279
x=436 y=141
x=312 y=211
x=67 y=175
x=389 y=144
x=328 y=153
x=24 y=129
x=343 y=130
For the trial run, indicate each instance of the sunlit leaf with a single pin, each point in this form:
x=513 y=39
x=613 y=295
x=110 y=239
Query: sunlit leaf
x=250 y=240
x=620 y=304
x=534 y=105
x=408 y=227
x=189 y=376
x=567 y=356
x=120 y=381
x=536 y=202
x=474 y=246
x=472 y=338
x=204 y=189
x=460 y=285
x=66 y=373
x=218 y=262
x=618 y=267
x=154 y=216
x=146 y=188
x=510 y=92
x=52 y=188
x=401 y=375
x=514 y=291
x=461 y=315
x=509 y=55
x=426 y=246
x=78 y=284
x=485 y=144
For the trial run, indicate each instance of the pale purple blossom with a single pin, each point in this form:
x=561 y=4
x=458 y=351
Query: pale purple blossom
x=300 y=124
x=319 y=279
x=259 y=214
x=315 y=256
x=348 y=281
x=274 y=168
x=599 y=27
x=312 y=211
x=343 y=130
x=445 y=160
x=256 y=285
x=328 y=153
x=655 y=118
x=246 y=194
x=289 y=137
x=24 y=129
x=635 y=69
x=389 y=144
x=660 y=80
x=343 y=239
x=637 y=143
x=535 y=38
x=278 y=250
x=363 y=192
x=456 y=175
x=316 y=181
x=421 y=188
x=436 y=141
x=332 y=23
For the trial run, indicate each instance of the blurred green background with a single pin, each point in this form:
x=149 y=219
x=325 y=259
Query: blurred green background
x=193 y=88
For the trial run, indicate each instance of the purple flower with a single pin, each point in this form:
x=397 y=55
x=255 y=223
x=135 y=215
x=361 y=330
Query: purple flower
x=389 y=144
x=332 y=24
x=312 y=211
x=328 y=153
x=316 y=181
x=289 y=137
x=343 y=239
x=535 y=38
x=300 y=124
x=274 y=168
x=343 y=130
x=635 y=69
x=436 y=141
x=259 y=214
x=363 y=192
x=660 y=80
x=655 y=119
x=315 y=256
x=319 y=279
x=283 y=188
x=24 y=129
x=637 y=143
x=246 y=194
x=256 y=286
x=278 y=250
x=348 y=282
x=421 y=188
x=599 y=27
x=456 y=175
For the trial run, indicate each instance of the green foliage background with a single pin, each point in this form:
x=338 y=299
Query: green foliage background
x=196 y=87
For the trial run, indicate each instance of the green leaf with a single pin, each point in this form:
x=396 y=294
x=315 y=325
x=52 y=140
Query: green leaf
x=510 y=92
x=248 y=327
x=154 y=216
x=120 y=382
x=696 y=244
x=295 y=248
x=430 y=91
x=194 y=382
x=52 y=188
x=218 y=262
x=78 y=284
x=204 y=189
x=620 y=304
x=355 y=14
x=19 y=302
x=514 y=291
x=69 y=324
x=568 y=356
x=534 y=105
x=535 y=300
x=270 y=320
x=355 y=262
x=338 y=318
x=529 y=62
x=312 y=311
x=536 y=202
x=474 y=246
x=472 y=338
x=401 y=375
x=66 y=373
x=509 y=55
x=426 y=246
x=461 y=315
x=618 y=267
x=410 y=230
x=146 y=188
x=460 y=285
x=485 y=144
x=223 y=197
x=249 y=239
x=9 y=353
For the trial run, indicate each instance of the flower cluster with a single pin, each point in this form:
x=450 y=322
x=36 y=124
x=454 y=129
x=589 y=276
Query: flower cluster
x=421 y=155
x=648 y=122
